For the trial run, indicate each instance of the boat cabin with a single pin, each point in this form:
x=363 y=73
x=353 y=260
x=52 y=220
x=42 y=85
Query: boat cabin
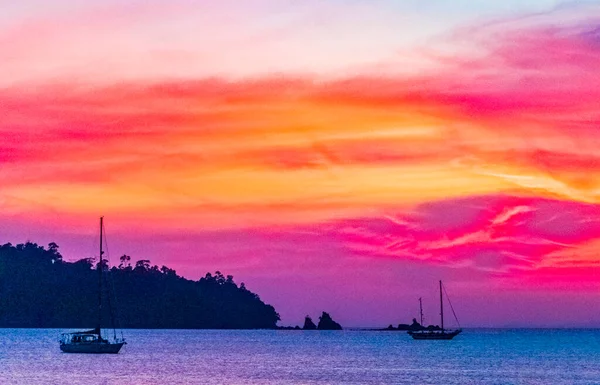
x=81 y=338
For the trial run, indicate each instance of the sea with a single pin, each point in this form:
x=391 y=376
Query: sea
x=477 y=356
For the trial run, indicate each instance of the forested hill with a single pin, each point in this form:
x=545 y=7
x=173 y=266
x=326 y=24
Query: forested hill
x=40 y=290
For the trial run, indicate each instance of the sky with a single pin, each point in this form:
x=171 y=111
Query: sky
x=338 y=156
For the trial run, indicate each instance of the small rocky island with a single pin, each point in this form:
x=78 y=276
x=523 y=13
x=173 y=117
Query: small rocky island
x=309 y=324
x=415 y=326
x=325 y=323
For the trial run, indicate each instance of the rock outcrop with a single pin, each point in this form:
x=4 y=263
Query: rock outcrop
x=327 y=323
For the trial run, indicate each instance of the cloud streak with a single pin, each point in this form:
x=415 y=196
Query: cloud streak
x=499 y=234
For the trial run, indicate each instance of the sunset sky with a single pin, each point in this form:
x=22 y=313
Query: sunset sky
x=337 y=155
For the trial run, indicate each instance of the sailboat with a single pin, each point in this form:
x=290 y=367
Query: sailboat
x=92 y=341
x=442 y=334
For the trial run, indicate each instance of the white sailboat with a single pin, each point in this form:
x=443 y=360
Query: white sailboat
x=92 y=341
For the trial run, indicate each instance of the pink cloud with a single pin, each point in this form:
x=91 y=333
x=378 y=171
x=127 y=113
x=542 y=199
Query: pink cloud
x=494 y=233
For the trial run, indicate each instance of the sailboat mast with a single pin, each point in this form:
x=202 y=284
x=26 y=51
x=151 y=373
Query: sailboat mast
x=421 y=311
x=441 y=305
x=100 y=267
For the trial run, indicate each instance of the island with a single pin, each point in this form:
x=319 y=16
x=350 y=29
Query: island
x=309 y=324
x=327 y=323
x=38 y=289
x=414 y=326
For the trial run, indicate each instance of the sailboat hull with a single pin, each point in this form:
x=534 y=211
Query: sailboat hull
x=434 y=335
x=93 y=348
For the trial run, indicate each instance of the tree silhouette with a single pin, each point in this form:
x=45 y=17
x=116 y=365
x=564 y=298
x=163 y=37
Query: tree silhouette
x=142 y=265
x=125 y=261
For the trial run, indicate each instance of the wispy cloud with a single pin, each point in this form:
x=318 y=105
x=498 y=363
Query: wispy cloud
x=499 y=234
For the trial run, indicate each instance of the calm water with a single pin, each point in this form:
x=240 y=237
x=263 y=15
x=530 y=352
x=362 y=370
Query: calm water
x=296 y=357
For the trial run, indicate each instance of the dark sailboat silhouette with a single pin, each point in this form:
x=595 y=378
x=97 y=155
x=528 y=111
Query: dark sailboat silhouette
x=91 y=341
x=442 y=334
x=421 y=311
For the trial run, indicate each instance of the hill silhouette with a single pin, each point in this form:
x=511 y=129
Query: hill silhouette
x=40 y=290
